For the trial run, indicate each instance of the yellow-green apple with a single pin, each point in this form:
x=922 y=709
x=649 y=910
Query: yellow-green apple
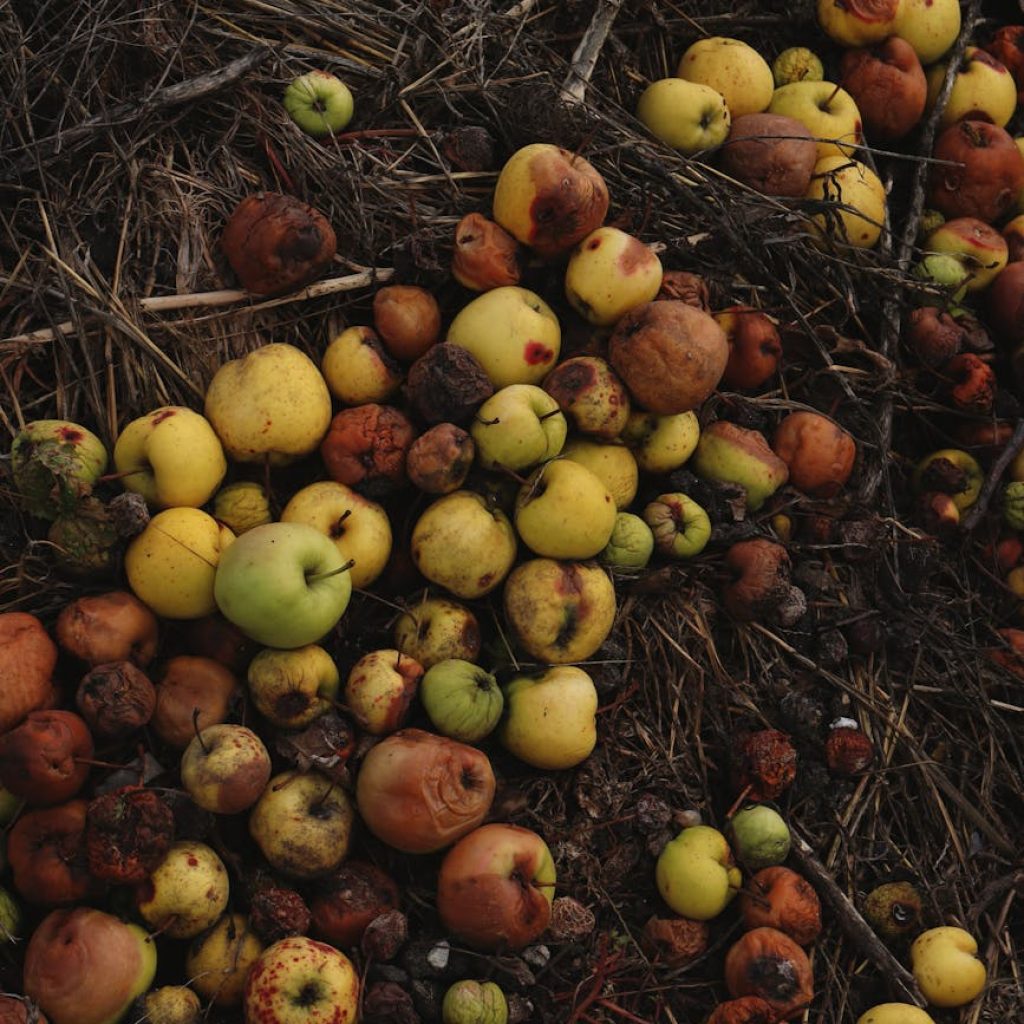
x=946 y=968
x=981 y=249
x=513 y=334
x=755 y=347
x=300 y=981
x=218 y=961
x=319 y=103
x=549 y=719
x=888 y=85
x=171 y=456
x=358 y=369
x=858 y=22
x=680 y=526
x=826 y=110
x=380 y=689
x=225 y=768
x=760 y=837
x=172 y=564
x=358 y=526
x=496 y=886
x=84 y=966
x=797 y=64
x=54 y=463
x=631 y=543
x=461 y=699
x=436 y=629
x=696 y=875
x=983 y=90
x=731 y=68
x=930 y=26
x=661 y=444
x=474 y=1002
x=560 y=612
x=771 y=153
x=291 y=688
x=895 y=1013
x=610 y=272
x=242 y=506
x=186 y=892
x=687 y=116
x=854 y=199
x=736 y=455
x=590 y=394
x=564 y=511
x=463 y=544
x=950 y=471
x=548 y=198
x=302 y=824
x=517 y=427
x=613 y=464
x=283 y=584
x=172 y=1004
x=272 y=404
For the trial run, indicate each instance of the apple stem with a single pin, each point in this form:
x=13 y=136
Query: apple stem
x=488 y=423
x=93 y=763
x=110 y=478
x=738 y=803
x=195 y=729
x=317 y=576
x=521 y=480
x=831 y=97
x=317 y=804
x=548 y=415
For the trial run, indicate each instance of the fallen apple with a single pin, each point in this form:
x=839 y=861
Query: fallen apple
x=462 y=700
x=319 y=103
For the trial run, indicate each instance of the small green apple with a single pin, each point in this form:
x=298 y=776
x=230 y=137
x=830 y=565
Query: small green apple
x=760 y=837
x=319 y=103
x=474 y=1002
x=797 y=64
x=696 y=875
x=631 y=544
x=462 y=700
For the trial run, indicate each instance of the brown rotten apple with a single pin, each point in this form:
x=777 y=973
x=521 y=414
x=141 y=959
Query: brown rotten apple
x=44 y=759
x=127 y=834
x=761 y=578
x=754 y=347
x=889 y=86
x=818 y=453
x=193 y=693
x=46 y=850
x=349 y=899
x=769 y=964
x=366 y=448
x=407 y=319
x=495 y=888
x=779 y=898
x=27 y=660
x=440 y=459
x=101 y=628
x=1005 y=301
x=1007 y=46
x=934 y=336
x=486 y=256
x=116 y=699
x=770 y=152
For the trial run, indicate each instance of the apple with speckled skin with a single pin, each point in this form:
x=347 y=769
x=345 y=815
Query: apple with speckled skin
x=591 y=396
x=186 y=892
x=225 y=768
x=380 y=689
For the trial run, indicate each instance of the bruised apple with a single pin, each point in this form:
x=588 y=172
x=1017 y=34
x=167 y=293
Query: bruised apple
x=754 y=346
x=380 y=689
x=590 y=395
x=768 y=963
x=225 y=768
x=101 y=628
x=436 y=629
x=349 y=899
x=27 y=660
x=818 y=453
x=888 y=84
x=771 y=153
x=486 y=256
x=44 y=760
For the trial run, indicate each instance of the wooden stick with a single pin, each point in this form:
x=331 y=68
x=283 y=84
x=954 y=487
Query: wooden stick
x=584 y=59
x=1006 y=456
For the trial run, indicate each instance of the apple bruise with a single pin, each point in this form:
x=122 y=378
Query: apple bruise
x=570 y=585
x=870 y=11
x=565 y=210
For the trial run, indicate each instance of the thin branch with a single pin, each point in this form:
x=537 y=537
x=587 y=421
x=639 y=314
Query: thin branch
x=1006 y=456
x=584 y=59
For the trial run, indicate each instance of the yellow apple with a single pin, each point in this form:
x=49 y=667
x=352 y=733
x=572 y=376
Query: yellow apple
x=859 y=23
x=172 y=1004
x=827 y=111
x=687 y=116
x=359 y=527
x=983 y=90
x=945 y=966
x=358 y=369
x=661 y=444
x=513 y=334
x=549 y=719
x=171 y=456
x=696 y=875
x=930 y=26
x=171 y=565
x=436 y=629
x=186 y=892
x=736 y=455
x=981 y=249
x=292 y=688
x=612 y=463
x=272 y=404
x=732 y=68
x=895 y=1013
x=844 y=182
x=218 y=961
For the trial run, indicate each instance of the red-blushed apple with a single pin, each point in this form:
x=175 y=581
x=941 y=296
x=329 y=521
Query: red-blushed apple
x=84 y=966
x=101 y=628
x=300 y=981
x=380 y=689
x=27 y=659
x=186 y=892
x=358 y=370
x=591 y=396
x=219 y=960
x=754 y=347
x=44 y=760
x=407 y=318
x=225 y=768
x=292 y=688
x=495 y=888
x=435 y=629
x=858 y=22
x=193 y=693
x=983 y=90
x=771 y=153
x=736 y=455
x=348 y=899
x=982 y=250
x=888 y=85
x=419 y=792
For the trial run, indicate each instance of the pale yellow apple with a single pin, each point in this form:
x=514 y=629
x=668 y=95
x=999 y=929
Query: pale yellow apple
x=171 y=1004
x=517 y=427
x=945 y=966
x=732 y=68
x=895 y=1013
x=512 y=332
x=186 y=892
x=358 y=369
x=661 y=444
x=564 y=511
x=845 y=182
x=828 y=112
x=171 y=565
x=696 y=875
x=272 y=404
x=171 y=456
x=435 y=629
x=859 y=24
x=292 y=688
x=549 y=719
x=611 y=462
x=359 y=527
x=983 y=90
x=687 y=116
x=930 y=26
x=609 y=273
x=218 y=961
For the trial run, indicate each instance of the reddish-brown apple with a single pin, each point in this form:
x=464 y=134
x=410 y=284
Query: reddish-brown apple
x=888 y=83
x=27 y=660
x=193 y=693
x=754 y=347
x=407 y=318
x=43 y=760
x=1007 y=46
x=771 y=153
x=819 y=453
x=101 y=628
x=46 y=849
x=349 y=899
x=1005 y=302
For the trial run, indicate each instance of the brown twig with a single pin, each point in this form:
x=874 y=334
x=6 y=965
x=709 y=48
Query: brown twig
x=988 y=488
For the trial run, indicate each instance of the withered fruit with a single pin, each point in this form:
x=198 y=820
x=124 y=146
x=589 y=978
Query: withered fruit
x=27 y=660
x=779 y=898
x=440 y=459
x=44 y=760
x=745 y=1010
x=972 y=383
x=754 y=347
x=674 y=941
x=888 y=85
x=276 y=912
x=768 y=963
x=366 y=448
x=764 y=764
x=109 y=627
x=276 y=243
x=116 y=699
x=349 y=899
x=384 y=936
x=938 y=513
x=819 y=453
x=590 y=395
x=486 y=256
x=771 y=153
x=407 y=318
x=127 y=833
x=447 y=384
x=684 y=286
x=46 y=850
x=20 y=1010
x=761 y=579
x=934 y=336
x=893 y=909
x=848 y=751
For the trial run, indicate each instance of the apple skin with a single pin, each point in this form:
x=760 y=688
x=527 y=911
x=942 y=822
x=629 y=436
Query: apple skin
x=495 y=888
x=695 y=873
x=661 y=444
x=889 y=87
x=797 y=64
x=513 y=333
x=41 y=759
x=186 y=892
x=302 y=823
x=172 y=456
x=846 y=182
x=358 y=526
x=189 y=685
x=357 y=368
x=380 y=690
x=945 y=967
x=300 y=981
x=437 y=629
x=859 y=22
x=517 y=427
x=462 y=700
x=172 y=564
x=225 y=769
x=895 y=1013
x=591 y=395
x=613 y=464
x=550 y=718
x=294 y=687
x=474 y=1002
x=736 y=455
x=687 y=116
x=975 y=475
x=172 y=1004
x=829 y=113
x=982 y=250
x=733 y=69
x=261 y=585
x=983 y=90
x=771 y=153
x=755 y=348
x=930 y=26
x=218 y=961
x=319 y=103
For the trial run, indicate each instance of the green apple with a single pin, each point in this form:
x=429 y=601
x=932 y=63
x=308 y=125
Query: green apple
x=680 y=526
x=358 y=369
x=512 y=332
x=760 y=837
x=732 y=68
x=242 y=506
x=291 y=688
x=54 y=463
x=661 y=444
x=186 y=892
x=283 y=584
x=171 y=456
x=687 y=116
x=218 y=961
x=983 y=90
x=319 y=103
x=930 y=26
x=612 y=463
x=696 y=875
x=631 y=544
x=945 y=967
x=550 y=718
x=517 y=427
x=736 y=455
x=436 y=629
x=462 y=700
x=10 y=918
x=564 y=511
x=474 y=1002
x=827 y=111
x=225 y=768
